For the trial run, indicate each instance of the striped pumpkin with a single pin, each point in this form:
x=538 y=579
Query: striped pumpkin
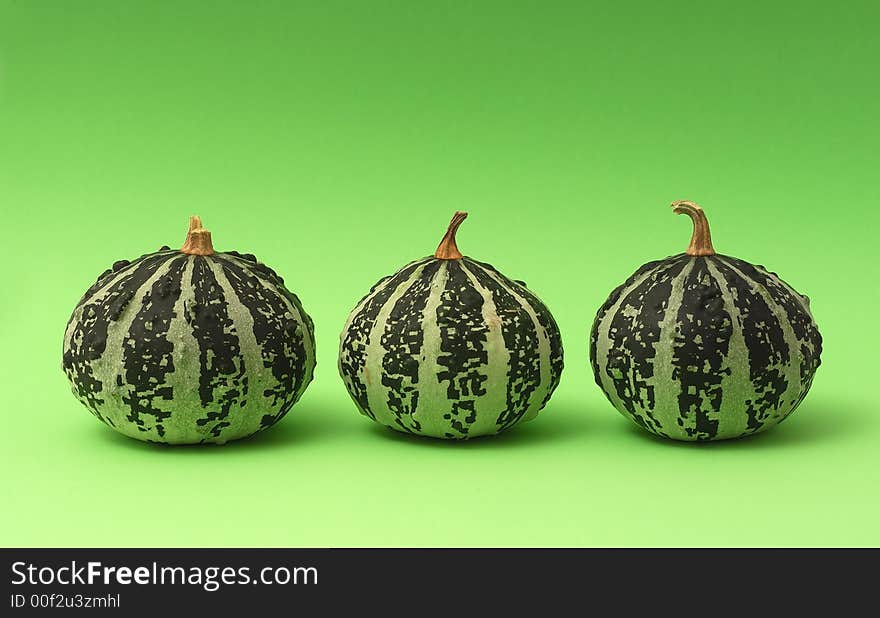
x=449 y=347
x=702 y=346
x=189 y=346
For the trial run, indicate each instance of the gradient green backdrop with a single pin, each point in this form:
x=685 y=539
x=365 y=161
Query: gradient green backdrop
x=334 y=140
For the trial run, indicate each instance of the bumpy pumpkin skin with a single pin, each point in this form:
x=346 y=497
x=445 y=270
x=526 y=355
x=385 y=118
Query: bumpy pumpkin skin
x=450 y=348
x=705 y=348
x=187 y=349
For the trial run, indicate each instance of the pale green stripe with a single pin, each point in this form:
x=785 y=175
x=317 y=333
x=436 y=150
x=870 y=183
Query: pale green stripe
x=96 y=296
x=433 y=402
x=540 y=393
x=793 y=369
x=800 y=299
x=114 y=277
x=245 y=421
x=603 y=339
x=490 y=406
x=736 y=388
x=187 y=368
x=308 y=343
x=110 y=365
x=372 y=294
x=666 y=388
x=375 y=354
x=804 y=303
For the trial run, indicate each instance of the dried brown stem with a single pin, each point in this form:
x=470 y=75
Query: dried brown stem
x=198 y=239
x=701 y=240
x=447 y=249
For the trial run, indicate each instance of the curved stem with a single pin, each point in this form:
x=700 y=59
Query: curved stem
x=701 y=240
x=447 y=249
x=198 y=239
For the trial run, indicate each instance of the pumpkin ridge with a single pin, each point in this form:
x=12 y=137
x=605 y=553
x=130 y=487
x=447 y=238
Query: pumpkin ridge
x=88 y=334
x=401 y=339
x=550 y=334
x=430 y=389
x=545 y=320
x=611 y=302
x=272 y=281
x=609 y=374
x=520 y=330
x=110 y=367
x=766 y=351
x=702 y=347
x=306 y=327
x=376 y=289
x=261 y=390
x=107 y=281
x=498 y=367
x=738 y=396
x=797 y=312
x=375 y=352
x=463 y=355
x=356 y=336
x=793 y=367
x=147 y=354
x=222 y=379
x=664 y=389
x=634 y=330
x=280 y=337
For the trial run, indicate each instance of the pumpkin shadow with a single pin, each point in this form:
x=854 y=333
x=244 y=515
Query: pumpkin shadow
x=808 y=425
x=554 y=428
x=302 y=425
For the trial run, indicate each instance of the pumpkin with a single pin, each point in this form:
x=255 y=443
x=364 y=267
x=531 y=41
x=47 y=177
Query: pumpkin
x=703 y=346
x=189 y=346
x=448 y=347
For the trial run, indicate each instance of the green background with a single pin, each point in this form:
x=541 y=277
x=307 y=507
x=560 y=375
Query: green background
x=334 y=140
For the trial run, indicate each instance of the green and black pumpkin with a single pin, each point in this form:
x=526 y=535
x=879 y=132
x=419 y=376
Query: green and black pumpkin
x=449 y=347
x=189 y=346
x=702 y=346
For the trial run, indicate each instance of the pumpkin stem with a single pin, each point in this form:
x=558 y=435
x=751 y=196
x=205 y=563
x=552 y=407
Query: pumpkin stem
x=447 y=249
x=198 y=239
x=701 y=240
